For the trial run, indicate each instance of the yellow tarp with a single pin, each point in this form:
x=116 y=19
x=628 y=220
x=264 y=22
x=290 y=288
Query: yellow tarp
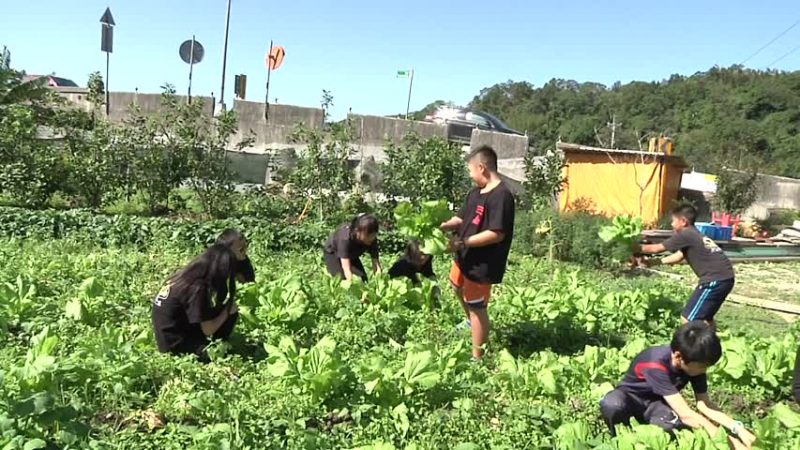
x=619 y=184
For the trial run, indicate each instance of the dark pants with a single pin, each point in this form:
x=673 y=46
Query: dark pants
x=618 y=407
x=706 y=300
x=334 y=265
x=797 y=377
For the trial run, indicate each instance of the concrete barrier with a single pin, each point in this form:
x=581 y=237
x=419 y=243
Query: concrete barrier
x=507 y=146
x=120 y=102
x=375 y=130
x=778 y=192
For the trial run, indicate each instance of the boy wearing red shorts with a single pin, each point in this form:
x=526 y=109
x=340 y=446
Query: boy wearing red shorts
x=484 y=227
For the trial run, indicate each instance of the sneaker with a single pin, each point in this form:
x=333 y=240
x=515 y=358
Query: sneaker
x=465 y=325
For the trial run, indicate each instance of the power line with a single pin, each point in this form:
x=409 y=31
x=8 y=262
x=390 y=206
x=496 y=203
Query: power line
x=784 y=56
x=770 y=42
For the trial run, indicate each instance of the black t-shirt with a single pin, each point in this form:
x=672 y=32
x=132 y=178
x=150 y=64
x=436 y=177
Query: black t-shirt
x=706 y=259
x=493 y=210
x=652 y=375
x=177 y=318
x=405 y=268
x=344 y=247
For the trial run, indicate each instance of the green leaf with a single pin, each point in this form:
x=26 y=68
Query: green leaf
x=419 y=370
x=34 y=444
x=786 y=416
x=548 y=381
x=76 y=311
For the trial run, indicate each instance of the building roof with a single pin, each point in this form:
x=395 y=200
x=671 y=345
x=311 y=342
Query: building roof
x=52 y=80
x=674 y=160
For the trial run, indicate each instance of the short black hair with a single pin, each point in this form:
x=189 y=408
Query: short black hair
x=486 y=155
x=414 y=251
x=697 y=342
x=688 y=212
x=365 y=223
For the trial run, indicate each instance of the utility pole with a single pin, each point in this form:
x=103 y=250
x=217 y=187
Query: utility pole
x=613 y=125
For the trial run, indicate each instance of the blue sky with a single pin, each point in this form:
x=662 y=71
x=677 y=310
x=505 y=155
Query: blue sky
x=354 y=48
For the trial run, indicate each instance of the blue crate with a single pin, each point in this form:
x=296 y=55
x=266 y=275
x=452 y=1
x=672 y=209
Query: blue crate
x=708 y=229
x=724 y=233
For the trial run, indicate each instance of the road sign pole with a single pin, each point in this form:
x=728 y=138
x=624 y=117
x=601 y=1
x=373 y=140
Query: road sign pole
x=269 y=72
x=107 y=46
x=191 y=67
x=108 y=92
x=410 y=84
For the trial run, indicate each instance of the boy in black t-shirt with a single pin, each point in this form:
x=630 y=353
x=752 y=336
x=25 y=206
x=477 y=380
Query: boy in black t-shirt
x=706 y=259
x=485 y=227
x=650 y=390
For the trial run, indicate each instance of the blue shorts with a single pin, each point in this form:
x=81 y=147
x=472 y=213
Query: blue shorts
x=707 y=299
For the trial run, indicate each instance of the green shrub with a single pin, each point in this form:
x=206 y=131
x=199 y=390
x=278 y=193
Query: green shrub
x=566 y=237
x=128 y=230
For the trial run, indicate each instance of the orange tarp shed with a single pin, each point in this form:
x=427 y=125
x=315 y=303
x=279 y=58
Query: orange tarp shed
x=620 y=182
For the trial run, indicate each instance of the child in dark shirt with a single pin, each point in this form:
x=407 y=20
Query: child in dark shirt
x=413 y=263
x=343 y=250
x=650 y=390
x=706 y=259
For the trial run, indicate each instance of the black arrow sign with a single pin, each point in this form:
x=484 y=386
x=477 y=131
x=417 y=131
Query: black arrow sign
x=107 y=18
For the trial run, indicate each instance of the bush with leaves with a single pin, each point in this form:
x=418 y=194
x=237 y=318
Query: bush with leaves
x=544 y=178
x=31 y=168
x=323 y=170
x=423 y=168
x=736 y=191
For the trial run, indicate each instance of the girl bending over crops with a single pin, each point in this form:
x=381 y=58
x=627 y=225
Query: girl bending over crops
x=235 y=240
x=346 y=245
x=413 y=263
x=191 y=308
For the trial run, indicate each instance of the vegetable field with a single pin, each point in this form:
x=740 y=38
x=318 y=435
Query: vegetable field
x=317 y=365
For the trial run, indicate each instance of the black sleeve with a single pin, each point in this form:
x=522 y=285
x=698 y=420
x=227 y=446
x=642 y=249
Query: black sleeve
x=797 y=377
x=677 y=242
x=699 y=384
x=427 y=269
x=500 y=212
x=246 y=270
x=199 y=307
x=401 y=268
x=343 y=248
x=658 y=381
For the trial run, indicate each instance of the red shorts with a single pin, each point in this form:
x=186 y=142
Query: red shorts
x=474 y=294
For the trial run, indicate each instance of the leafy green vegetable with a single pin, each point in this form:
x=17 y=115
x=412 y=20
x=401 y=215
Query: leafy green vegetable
x=624 y=232
x=423 y=224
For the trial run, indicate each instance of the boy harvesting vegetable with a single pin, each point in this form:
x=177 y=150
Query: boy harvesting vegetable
x=484 y=226
x=650 y=390
x=706 y=259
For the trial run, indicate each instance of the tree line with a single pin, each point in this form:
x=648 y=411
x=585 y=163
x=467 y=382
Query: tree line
x=733 y=117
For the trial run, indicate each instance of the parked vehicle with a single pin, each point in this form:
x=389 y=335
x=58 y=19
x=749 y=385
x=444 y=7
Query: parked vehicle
x=465 y=120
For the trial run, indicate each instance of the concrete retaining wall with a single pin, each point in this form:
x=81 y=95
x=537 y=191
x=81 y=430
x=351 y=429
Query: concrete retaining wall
x=778 y=192
x=507 y=146
x=272 y=135
x=120 y=102
x=375 y=130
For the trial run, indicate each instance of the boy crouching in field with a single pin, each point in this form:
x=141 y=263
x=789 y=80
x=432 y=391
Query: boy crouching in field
x=650 y=392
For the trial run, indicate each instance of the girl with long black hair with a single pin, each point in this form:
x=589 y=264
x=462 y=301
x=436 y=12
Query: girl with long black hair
x=197 y=303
